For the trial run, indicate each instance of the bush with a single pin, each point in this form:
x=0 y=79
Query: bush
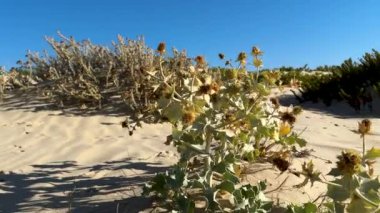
x=351 y=81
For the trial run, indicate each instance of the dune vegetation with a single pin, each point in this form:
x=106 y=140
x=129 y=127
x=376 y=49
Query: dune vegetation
x=222 y=119
x=355 y=82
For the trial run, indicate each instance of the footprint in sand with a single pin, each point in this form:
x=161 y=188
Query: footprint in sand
x=28 y=128
x=19 y=148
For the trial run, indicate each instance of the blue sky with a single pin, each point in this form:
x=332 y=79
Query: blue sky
x=290 y=32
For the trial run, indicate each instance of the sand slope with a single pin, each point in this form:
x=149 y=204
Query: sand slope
x=52 y=160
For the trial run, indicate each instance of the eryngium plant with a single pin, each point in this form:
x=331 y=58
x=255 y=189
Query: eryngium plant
x=221 y=119
x=85 y=73
x=14 y=79
x=354 y=188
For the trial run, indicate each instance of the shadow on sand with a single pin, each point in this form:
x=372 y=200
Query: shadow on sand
x=52 y=187
x=336 y=109
x=30 y=101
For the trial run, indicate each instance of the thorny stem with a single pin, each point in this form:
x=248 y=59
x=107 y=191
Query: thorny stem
x=164 y=80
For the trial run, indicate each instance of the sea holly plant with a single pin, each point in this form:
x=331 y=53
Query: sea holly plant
x=354 y=188
x=221 y=119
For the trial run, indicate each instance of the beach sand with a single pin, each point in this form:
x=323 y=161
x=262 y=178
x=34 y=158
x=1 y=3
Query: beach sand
x=56 y=160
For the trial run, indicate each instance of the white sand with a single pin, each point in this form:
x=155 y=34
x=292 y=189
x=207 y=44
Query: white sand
x=51 y=160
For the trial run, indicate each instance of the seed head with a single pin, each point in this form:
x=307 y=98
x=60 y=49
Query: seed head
x=275 y=102
x=364 y=126
x=242 y=58
x=204 y=89
x=161 y=48
x=281 y=163
x=200 y=60
x=188 y=117
x=349 y=162
x=221 y=56
x=288 y=117
x=256 y=51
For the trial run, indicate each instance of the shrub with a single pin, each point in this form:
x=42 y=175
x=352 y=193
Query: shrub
x=351 y=81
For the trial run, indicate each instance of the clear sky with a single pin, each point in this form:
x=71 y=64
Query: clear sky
x=290 y=32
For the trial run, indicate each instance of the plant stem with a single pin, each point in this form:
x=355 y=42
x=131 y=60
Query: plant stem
x=363 y=136
x=208 y=149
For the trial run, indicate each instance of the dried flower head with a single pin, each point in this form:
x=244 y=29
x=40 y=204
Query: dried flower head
x=256 y=51
x=288 y=117
x=242 y=58
x=364 y=126
x=200 y=60
x=205 y=89
x=189 y=117
x=221 y=56
x=161 y=48
x=281 y=163
x=275 y=102
x=349 y=162
x=124 y=124
x=209 y=89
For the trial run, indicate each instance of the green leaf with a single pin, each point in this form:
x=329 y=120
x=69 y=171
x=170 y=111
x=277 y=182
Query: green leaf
x=310 y=208
x=173 y=112
x=334 y=172
x=231 y=177
x=357 y=205
x=305 y=208
x=186 y=205
x=301 y=142
x=370 y=184
x=372 y=154
x=337 y=193
x=226 y=185
x=220 y=167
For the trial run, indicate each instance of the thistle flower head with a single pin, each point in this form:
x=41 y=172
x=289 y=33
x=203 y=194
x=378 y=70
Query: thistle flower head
x=349 y=162
x=281 y=163
x=200 y=60
x=275 y=102
x=221 y=56
x=288 y=117
x=161 y=48
x=189 y=117
x=242 y=58
x=209 y=88
x=256 y=51
x=364 y=127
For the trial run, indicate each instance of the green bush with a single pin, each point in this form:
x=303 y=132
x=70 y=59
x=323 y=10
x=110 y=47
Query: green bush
x=351 y=81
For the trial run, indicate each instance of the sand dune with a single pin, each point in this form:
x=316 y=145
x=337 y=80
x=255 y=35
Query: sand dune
x=52 y=160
